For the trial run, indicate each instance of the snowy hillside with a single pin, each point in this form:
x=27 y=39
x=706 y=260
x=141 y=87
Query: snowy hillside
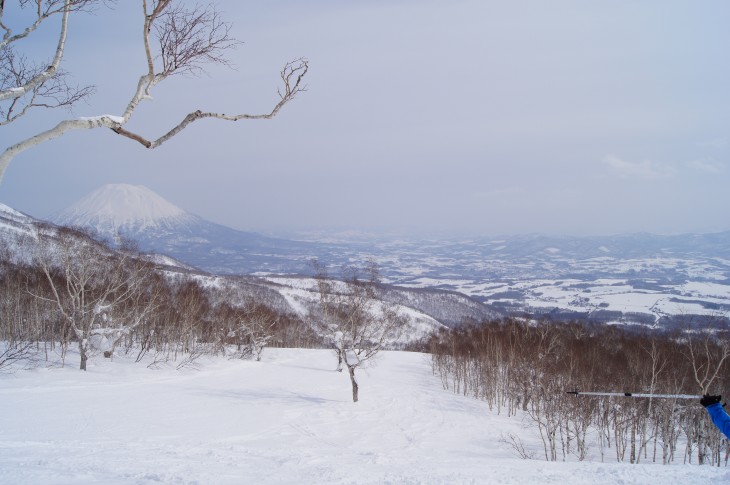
x=8 y=214
x=302 y=297
x=14 y=224
x=287 y=419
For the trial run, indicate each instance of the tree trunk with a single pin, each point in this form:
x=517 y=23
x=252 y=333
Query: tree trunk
x=351 y=369
x=632 y=456
x=84 y=357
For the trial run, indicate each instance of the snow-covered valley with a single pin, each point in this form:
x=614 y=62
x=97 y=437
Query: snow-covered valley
x=287 y=419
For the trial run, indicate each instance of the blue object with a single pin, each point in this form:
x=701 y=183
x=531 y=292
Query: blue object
x=720 y=418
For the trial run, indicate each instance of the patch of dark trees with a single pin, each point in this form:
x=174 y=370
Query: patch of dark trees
x=526 y=367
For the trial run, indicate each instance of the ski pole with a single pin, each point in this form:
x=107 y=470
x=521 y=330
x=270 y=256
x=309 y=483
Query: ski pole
x=631 y=394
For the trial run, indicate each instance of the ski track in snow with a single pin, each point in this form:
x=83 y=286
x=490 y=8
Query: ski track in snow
x=288 y=419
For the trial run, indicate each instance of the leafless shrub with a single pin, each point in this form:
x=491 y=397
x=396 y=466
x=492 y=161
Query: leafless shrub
x=14 y=354
x=517 y=446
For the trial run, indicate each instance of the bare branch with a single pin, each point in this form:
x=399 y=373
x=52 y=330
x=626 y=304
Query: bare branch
x=292 y=75
x=54 y=92
x=190 y=38
x=707 y=361
x=60 y=129
x=44 y=10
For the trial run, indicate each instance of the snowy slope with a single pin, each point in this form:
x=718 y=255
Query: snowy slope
x=288 y=419
x=14 y=223
x=11 y=215
x=17 y=234
x=301 y=295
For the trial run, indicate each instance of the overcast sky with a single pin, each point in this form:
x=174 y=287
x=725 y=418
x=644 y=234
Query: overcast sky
x=451 y=117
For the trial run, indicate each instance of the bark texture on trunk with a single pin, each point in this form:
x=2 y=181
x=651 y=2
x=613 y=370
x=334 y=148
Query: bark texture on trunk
x=354 y=383
x=84 y=357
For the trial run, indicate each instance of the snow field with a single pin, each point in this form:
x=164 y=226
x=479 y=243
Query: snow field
x=287 y=419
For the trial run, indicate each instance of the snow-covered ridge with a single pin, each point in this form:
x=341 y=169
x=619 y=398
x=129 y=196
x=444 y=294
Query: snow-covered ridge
x=123 y=207
x=14 y=226
x=13 y=215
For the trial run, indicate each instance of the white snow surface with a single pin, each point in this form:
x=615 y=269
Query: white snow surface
x=114 y=118
x=287 y=419
x=121 y=206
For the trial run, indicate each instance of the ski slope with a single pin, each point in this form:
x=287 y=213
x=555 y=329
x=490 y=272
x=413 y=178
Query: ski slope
x=287 y=419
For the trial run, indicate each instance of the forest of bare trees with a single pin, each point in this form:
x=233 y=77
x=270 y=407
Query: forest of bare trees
x=77 y=291
x=518 y=366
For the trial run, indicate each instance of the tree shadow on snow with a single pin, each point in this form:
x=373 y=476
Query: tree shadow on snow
x=282 y=396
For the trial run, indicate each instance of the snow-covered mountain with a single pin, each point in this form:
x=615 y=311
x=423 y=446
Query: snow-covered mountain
x=125 y=209
x=137 y=213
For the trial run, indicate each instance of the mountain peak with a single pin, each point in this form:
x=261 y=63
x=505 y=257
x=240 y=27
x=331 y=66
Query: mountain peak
x=117 y=208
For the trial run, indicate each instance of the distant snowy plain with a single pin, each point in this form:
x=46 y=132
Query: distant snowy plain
x=287 y=419
x=624 y=279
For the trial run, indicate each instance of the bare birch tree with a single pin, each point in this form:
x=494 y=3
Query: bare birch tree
x=707 y=353
x=90 y=285
x=326 y=323
x=176 y=39
x=361 y=323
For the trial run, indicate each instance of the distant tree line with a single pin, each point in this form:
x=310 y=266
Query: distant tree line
x=523 y=366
